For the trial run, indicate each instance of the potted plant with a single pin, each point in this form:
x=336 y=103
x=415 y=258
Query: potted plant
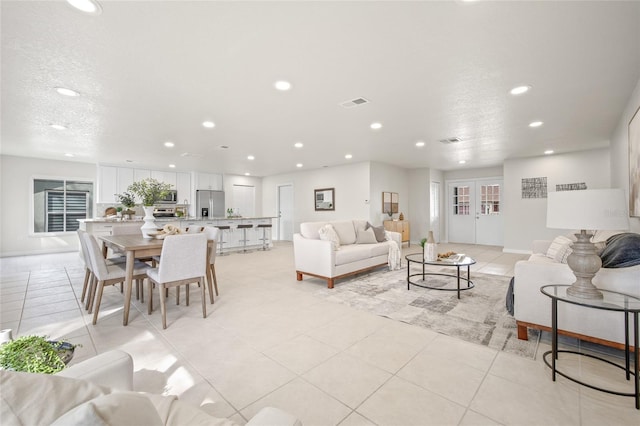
x=35 y=354
x=150 y=191
x=127 y=199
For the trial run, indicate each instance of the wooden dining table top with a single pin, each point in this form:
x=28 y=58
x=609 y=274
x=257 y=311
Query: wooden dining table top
x=132 y=242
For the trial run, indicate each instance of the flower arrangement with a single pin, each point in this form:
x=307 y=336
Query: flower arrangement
x=149 y=190
x=127 y=199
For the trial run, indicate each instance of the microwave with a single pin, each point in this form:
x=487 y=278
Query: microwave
x=170 y=198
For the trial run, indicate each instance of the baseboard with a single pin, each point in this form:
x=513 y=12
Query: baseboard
x=36 y=252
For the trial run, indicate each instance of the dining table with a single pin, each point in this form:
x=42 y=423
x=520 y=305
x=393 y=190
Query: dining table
x=134 y=246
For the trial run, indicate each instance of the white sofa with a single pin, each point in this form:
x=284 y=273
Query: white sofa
x=98 y=391
x=532 y=309
x=317 y=258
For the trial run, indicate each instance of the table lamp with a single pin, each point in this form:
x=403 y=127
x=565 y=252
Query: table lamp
x=595 y=209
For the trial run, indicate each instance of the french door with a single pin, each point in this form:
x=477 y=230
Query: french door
x=474 y=212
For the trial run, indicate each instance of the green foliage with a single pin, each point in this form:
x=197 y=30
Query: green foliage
x=127 y=199
x=31 y=354
x=149 y=190
x=423 y=242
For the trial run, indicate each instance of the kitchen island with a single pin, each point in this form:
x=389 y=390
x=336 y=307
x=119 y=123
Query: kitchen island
x=233 y=237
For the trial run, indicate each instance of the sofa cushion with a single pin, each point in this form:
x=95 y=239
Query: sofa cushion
x=380 y=249
x=352 y=253
x=603 y=236
x=560 y=249
x=622 y=251
x=327 y=233
x=310 y=229
x=345 y=230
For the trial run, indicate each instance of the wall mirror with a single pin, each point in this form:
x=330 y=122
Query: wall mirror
x=325 y=199
x=390 y=202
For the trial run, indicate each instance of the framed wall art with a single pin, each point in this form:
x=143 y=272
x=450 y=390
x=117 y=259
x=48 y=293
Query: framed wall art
x=324 y=199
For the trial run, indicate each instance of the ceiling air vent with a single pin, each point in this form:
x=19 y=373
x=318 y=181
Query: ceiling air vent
x=354 y=102
x=450 y=140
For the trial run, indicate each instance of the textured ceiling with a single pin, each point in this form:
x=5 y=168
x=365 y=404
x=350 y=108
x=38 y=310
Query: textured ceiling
x=152 y=71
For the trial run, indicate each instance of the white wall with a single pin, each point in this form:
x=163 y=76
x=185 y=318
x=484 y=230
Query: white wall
x=15 y=203
x=419 y=203
x=525 y=219
x=388 y=178
x=351 y=183
x=485 y=172
x=620 y=151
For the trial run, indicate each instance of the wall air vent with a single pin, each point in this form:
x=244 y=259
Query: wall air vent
x=450 y=140
x=354 y=102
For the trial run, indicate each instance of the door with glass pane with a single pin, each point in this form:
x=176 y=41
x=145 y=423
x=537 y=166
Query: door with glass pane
x=475 y=212
x=489 y=220
x=461 y=208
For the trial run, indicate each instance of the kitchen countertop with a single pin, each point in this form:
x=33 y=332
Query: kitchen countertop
x=169 y=219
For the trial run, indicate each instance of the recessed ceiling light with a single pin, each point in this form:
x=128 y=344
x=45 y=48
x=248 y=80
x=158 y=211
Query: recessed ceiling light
x=173 y=166
x=282 y=85
x=251 y=157
x=299 y=165
x=169 y=144
x=66 y=92
x=535 y=124
x=298 y=144
x=209 y=124
x=348 y=156
x=419 y=144
x=68 y=154
x=376 y=126
x=548 y=152
x=58 y=126
x=91 y=7
x=520 y=90
x=247 y=174
x=461 y=162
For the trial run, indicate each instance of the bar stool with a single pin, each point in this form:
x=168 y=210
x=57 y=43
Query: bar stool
x=244 y=240
x=264 y=239
x=222 y=241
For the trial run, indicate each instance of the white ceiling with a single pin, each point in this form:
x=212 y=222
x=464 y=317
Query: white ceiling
x=153 y=71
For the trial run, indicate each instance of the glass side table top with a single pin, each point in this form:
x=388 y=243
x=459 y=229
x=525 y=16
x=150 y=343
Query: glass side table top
x=418 y=258
x=611 y=300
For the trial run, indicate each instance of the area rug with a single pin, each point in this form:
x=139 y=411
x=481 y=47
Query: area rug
x=479 y=316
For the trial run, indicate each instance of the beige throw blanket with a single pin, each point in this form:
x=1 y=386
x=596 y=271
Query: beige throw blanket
x=395 y=256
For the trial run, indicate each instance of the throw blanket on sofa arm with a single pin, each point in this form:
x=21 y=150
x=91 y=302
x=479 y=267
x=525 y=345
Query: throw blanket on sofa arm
x=395 y=256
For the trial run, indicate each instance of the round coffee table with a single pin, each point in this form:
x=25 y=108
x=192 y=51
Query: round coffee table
x=418 y=258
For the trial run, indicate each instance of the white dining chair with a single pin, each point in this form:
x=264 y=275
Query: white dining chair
x=184 y=261
x=107 y=274
x=212 y=237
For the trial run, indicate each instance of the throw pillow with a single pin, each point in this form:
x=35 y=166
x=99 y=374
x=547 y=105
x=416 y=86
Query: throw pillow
x=366 y=236
x=327 y=233
x=560 y=249
x=378 y=231
x=622 y=251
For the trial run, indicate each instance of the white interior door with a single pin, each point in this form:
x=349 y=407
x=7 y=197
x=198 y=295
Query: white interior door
x=489 y=219
x=434 y=215
x=285 y=213
x=461 y=217
x=475 y=212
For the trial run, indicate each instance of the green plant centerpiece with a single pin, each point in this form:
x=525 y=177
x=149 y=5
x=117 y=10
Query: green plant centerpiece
x=149 y=191
x=35 y=354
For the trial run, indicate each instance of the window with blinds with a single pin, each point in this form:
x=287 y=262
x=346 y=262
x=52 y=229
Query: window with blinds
x=58 y=204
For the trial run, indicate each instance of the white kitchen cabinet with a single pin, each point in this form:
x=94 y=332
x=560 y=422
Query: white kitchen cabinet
x=107 y=184
x=125 y=178
x=211 y=181
x=183 y=186
x=166 y=177
x=140 y=174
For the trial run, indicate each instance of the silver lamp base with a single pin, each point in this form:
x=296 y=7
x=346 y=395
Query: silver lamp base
x=585 y=263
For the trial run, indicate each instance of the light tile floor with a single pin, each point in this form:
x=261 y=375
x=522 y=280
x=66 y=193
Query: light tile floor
x=267 y=341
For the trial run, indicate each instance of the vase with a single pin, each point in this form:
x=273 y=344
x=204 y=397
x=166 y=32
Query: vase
x=149 y=222
x=430 y=249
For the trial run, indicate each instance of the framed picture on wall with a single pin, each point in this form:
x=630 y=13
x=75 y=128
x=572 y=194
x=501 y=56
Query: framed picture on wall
x=634 y=165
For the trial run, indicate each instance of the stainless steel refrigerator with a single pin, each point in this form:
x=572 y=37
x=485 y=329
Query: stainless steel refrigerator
x=210 y=204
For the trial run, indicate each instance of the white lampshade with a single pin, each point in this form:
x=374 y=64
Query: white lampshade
x=594 y=209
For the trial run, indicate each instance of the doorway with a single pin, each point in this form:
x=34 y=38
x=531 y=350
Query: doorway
x=434 y=205
x=284 y=223
x=474 y=212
